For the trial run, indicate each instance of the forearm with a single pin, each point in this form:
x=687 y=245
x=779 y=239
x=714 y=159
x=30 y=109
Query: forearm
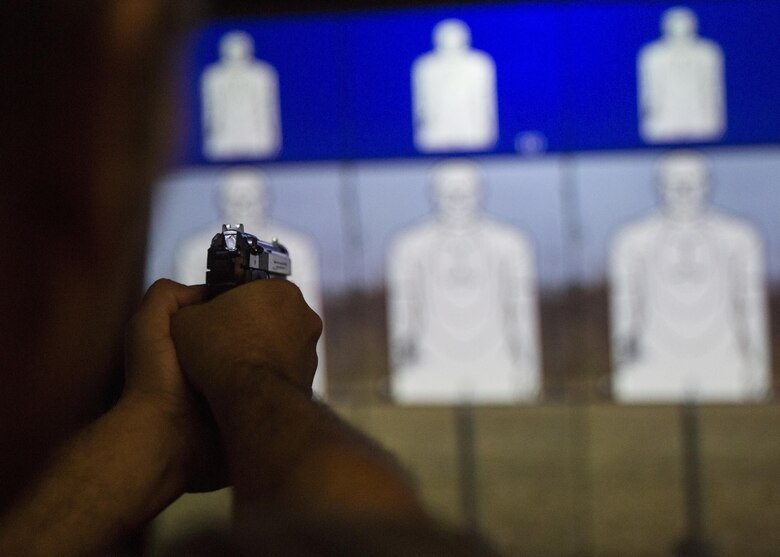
x=106 y=482
x=286 y=451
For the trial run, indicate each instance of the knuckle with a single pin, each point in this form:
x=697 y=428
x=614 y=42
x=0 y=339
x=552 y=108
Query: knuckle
x=292 y=289
x=316 y=324
x=312 y=369
x=157 y=287
x=161 y=284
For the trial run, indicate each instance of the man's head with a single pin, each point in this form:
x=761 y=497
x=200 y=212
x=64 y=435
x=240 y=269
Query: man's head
x=236 y=45
x=456 y=187
x=683 y=183
x=679 y=23
x=243 y=195
x=451 y=34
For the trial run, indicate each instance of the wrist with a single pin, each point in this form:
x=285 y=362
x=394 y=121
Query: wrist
x=165 y=437
x=267 y=426
x=253 y=388
x=287 y=450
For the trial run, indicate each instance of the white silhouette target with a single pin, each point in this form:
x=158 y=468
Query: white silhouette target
x=240 y=96
x=454 y=93
x=681 y=84
x=462 y=301
x=688 y=302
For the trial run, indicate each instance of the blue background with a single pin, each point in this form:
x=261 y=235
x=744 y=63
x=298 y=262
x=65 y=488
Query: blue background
x=565 y=71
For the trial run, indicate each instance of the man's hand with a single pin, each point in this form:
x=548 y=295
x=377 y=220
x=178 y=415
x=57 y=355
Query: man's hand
x=264 y=327
x=155 y=381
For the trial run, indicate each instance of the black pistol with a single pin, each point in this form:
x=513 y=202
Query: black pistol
x=236 y=257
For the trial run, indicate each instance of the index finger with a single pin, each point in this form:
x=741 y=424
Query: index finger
x=163 y=299
x=169 y=296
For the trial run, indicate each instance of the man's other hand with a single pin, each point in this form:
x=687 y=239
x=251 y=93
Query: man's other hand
x=228 y=345
x=156 y=383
